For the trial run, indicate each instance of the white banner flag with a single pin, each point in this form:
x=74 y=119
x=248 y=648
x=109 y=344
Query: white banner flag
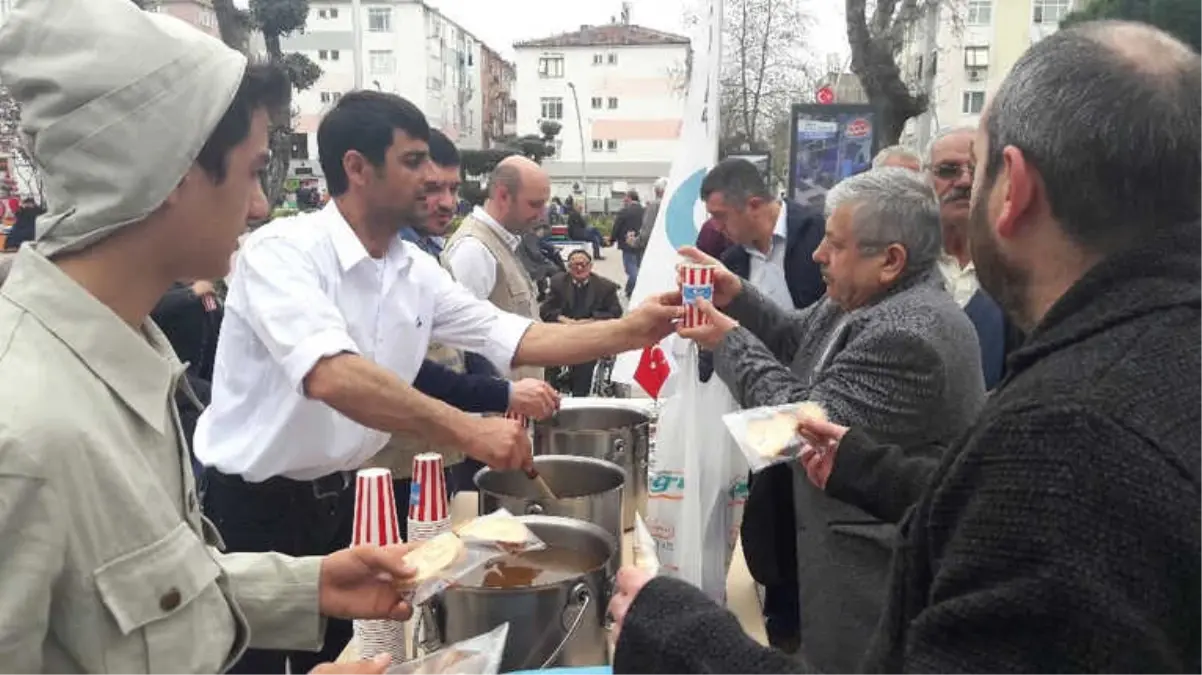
x=682 y=212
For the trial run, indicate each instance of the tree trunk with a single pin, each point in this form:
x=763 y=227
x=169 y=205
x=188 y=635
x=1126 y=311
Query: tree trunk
x=873 y=62
x=281 y=135
x=232 y=24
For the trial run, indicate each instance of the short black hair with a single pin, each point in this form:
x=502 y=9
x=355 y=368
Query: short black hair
x=1109 y=114
x=364 y=121
x=632 y=195
x=738 y=180
x=264 y=86
x=443 y=151
x=582 y=252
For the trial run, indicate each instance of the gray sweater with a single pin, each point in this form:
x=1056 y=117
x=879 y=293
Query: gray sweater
x=907 y=370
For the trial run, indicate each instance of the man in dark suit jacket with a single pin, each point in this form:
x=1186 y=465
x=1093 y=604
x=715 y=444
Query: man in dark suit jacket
x=579 y=296
x=774 y=244
x=627 y=225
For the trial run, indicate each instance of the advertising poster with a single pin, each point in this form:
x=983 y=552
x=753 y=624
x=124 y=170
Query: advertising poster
x=828 y=143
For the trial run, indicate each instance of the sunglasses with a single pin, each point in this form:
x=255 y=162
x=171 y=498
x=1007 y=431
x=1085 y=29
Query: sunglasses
x=950 y=170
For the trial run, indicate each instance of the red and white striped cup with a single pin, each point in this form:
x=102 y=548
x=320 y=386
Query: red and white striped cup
x=697 y=282
x=375 y=509
x=428 y=494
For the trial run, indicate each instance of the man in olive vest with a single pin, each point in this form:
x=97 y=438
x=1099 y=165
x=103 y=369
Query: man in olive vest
x=482 y=254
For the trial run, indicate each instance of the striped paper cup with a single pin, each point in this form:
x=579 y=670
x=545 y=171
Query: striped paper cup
x=698 y=282
x=375 y=509
x=428 y=492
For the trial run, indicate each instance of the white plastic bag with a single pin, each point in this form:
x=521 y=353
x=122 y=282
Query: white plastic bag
x=697 y=478
x=479 y=655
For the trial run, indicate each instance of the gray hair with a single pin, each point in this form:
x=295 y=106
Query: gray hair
x=1107 y=112
x=661 y=184
x=892 y=205
x=929 y=153
x=894 y=151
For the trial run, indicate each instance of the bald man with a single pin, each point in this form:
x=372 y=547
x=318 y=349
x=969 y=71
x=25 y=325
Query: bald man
x=482 y=254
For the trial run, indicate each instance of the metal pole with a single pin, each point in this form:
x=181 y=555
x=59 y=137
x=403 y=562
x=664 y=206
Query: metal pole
x=583 y=165
x=357 y=37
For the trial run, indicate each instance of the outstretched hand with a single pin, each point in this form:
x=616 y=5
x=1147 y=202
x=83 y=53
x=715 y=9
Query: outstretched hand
x=727 y=284
x=709 y=335
x=818 y=458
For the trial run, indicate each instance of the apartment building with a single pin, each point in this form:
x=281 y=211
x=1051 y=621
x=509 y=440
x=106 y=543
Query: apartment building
x=961 y=52
x=497 y=78
x=618 y=91
x=408 y=48
x=199 y=13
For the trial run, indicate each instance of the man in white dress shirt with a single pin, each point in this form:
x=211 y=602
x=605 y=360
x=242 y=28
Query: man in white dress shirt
x=328 y=319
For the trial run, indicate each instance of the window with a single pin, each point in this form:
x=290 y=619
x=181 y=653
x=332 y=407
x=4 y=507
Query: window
x=433 y=83
x=980 y=12
x=322 y=55
x=300 y=146
x=612 y=146
x=598 y=59
x=550 y=66
x=321 y=14
x=974 y=102
x=598 y=145
x=470 y=60
x=558 y=148
x=381 y=62
x=613 y=59
x=1051 y=11
x=330 y=96
x=334 y=54
x=379 y=19
x=976 y=57
x=511 y=112
x=333 y=12
x=613 y=103
x=552 y=108
x=596 y=103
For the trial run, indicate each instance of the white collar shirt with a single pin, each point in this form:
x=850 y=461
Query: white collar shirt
x=471 y=262
x=306 y=289
x=768 y=270
x=961 y=282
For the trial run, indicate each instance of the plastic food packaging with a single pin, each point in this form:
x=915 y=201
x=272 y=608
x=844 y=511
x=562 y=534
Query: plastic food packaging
x=479 y=655
x=500 y=531
x=442 y=561
x=768 y=435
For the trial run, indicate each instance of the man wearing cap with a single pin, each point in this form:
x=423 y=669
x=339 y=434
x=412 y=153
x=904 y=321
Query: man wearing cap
x=328 y=319
x=151 y=136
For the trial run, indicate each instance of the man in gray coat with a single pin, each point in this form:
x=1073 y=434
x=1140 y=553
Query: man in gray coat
x=887 y=348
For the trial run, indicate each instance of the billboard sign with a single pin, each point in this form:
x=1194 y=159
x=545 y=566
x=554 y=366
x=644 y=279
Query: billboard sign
x=828 y=143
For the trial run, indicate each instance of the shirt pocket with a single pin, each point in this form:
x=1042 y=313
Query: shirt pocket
x=169 y=610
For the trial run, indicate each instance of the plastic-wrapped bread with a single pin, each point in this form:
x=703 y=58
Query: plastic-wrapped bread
x=769 y=435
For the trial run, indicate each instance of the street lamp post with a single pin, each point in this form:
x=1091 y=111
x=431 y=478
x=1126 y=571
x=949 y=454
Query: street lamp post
x=583 y=165
x=357 y=36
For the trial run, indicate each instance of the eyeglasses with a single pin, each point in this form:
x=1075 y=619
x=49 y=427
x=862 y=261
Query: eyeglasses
x=952 y=170
x=578 y=265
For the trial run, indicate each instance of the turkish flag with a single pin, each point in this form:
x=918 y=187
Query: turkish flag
x=653 y=370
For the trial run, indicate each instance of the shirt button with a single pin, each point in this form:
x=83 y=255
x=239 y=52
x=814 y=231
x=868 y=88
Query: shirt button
x=170 y=600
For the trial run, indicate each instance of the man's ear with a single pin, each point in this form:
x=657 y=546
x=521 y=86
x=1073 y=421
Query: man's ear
x=894 y=263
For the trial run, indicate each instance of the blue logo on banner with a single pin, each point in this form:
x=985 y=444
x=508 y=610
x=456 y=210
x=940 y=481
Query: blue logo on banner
x=415 y=493
x=679 y=225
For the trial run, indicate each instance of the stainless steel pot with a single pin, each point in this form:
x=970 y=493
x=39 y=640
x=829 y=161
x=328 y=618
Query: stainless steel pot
x=615 y=430
x=588 y=489
x=557 y=625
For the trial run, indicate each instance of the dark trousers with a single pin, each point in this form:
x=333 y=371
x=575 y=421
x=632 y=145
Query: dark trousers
x=630 y=263
x=580 y=378
x=782 y=615
x=297 y=518
x=595 y=237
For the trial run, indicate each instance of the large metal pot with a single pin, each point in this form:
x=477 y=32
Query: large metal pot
x=556 y=625
x=588 y=489
x=612 y=429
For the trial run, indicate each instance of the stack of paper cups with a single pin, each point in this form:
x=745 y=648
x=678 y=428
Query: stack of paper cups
x=698 y=282
x=429 y=513
x=376 y=524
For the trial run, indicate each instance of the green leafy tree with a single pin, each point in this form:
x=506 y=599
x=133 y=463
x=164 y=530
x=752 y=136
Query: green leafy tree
x=275 y=19
x=1182 y=18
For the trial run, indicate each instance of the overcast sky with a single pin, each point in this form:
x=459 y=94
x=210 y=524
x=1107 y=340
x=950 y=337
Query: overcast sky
x=500 y=23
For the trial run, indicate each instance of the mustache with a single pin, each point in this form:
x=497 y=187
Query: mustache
x=956 y=194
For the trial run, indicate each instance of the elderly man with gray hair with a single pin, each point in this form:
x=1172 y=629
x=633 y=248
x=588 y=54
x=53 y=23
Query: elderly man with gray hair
x=897 y=156
x=887 y=347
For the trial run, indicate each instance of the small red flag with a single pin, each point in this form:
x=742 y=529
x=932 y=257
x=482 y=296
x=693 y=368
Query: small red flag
x=653 y=370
